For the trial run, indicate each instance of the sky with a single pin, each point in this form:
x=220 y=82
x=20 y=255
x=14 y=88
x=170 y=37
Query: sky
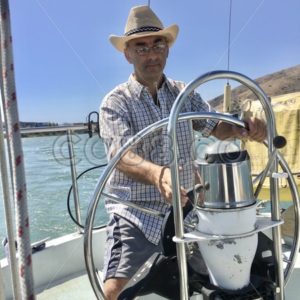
x=65 y=64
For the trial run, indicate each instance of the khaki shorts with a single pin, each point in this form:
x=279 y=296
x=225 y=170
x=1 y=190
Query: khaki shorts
x=126 y=249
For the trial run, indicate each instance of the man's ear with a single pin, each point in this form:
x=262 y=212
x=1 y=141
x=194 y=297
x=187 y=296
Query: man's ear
x=127 y=55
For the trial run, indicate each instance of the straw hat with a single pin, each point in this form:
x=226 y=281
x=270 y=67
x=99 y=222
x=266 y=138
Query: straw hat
x=142 y=21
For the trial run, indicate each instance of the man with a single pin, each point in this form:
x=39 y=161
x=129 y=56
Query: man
x=142 y=176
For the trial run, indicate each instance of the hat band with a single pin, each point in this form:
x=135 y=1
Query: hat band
x=142 y=29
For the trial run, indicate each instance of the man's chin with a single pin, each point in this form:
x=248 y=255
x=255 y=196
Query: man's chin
x=154 y=68
x=155 y=73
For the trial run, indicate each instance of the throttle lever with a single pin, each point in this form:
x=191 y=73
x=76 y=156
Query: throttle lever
x=198 y=188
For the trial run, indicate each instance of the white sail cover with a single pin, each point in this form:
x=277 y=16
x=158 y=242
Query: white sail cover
x=287 y=112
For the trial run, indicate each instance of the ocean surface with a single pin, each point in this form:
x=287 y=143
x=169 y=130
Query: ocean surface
x=48 y=178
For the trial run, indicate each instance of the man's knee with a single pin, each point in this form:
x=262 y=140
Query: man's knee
x=113 y=287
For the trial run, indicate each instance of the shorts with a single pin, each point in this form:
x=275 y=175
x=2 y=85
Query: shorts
x=127 y=249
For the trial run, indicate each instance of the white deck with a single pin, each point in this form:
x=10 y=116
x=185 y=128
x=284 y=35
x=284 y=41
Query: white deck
x=77 y=288
x=61 y=261
x=59 y=271
x=80 y=288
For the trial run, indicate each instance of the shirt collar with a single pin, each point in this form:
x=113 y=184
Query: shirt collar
x=137 y=88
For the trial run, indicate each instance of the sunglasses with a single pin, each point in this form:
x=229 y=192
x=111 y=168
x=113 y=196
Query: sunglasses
x=157 y=48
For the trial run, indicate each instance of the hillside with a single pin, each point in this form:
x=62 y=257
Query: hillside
x=282 y=82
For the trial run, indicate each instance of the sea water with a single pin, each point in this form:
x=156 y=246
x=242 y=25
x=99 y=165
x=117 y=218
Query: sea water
x=48 y=179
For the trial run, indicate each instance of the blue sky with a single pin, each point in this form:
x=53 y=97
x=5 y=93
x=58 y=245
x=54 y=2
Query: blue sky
x=65 y=64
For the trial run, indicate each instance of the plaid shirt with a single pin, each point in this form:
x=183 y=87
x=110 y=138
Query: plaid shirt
x=125 y=111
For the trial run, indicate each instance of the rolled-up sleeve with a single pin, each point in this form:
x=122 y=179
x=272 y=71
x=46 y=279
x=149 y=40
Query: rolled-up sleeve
x=114 y=124
x=198 y=105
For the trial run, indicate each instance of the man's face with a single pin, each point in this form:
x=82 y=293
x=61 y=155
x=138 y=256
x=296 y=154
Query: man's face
x=148 y=56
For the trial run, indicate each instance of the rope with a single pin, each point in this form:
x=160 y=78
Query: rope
x=8 y=216
x=16 y=155
x=2 y=295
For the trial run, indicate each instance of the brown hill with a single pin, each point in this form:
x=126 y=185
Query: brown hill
x=282 y=82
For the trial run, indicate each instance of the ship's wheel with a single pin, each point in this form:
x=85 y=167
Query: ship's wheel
x=275 y=159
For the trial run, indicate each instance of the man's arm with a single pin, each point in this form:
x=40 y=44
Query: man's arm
x=147 y=172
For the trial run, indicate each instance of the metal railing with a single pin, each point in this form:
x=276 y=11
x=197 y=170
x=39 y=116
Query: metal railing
x=51 y=130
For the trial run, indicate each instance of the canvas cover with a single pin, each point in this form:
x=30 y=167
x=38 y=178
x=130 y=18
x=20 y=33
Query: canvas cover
x=287 y=113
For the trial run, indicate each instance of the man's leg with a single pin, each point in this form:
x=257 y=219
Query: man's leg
x=127 y=250
x=113 y=287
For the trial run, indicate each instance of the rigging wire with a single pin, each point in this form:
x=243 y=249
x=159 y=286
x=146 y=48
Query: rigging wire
x=229 y=36
x=237 y=36
x=69 y=44
x=227 y=88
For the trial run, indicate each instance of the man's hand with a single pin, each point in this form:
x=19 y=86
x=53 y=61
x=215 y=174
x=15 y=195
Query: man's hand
x=147 y=172
x=256 y=131
x=164 y=184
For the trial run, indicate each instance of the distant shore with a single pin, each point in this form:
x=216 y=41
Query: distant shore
x=34 y=131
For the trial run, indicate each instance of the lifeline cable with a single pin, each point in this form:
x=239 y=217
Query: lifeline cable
x=69 y=195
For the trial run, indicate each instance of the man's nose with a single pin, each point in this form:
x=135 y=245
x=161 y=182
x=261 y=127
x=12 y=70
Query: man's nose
x=151 y=54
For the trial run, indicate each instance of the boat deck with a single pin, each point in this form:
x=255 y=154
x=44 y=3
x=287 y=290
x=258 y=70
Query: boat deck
x=77 y=288
x=59 y=276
